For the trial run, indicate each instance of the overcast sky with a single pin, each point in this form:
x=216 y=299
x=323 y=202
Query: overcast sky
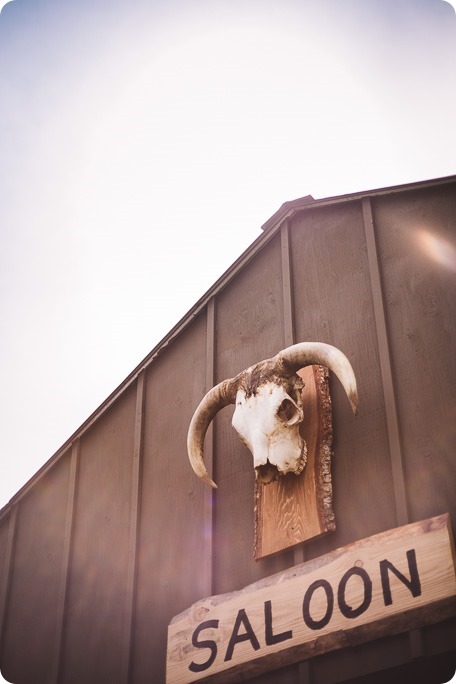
x=144 y=143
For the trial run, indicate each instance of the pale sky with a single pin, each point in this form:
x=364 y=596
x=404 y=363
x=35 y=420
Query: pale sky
x=144 y=143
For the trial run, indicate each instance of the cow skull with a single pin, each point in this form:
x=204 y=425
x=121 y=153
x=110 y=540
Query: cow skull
x=268 y=409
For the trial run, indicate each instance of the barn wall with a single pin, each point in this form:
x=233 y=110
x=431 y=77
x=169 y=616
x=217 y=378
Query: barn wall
x=4 y=528
x=413 y=231
x=333 y=304
x=7 y=531
x=33 y=597
x=100 y=549
x=171 y=550
x=249 y=327
x=116 y=535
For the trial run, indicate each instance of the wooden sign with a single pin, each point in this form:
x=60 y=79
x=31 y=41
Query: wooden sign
x=296 y=508
x=389 y=583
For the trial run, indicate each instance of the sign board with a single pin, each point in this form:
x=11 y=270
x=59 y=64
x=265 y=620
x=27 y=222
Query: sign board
x=389 y=583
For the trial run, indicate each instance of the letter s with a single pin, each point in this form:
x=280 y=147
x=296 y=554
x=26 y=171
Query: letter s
x=211 y=645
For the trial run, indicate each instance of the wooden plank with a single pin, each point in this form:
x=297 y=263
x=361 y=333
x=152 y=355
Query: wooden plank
x=127 y=642
x=386 y=368
x=289 y=339
x=208 y=539
x=172 y=531
x=385 y=584
x=294 y=508
x=7 y=570
x=98 y=572
x=65 y=562
x=287 y=286
x=333 y=303
x=250 y=327
x=34 y=592
x=415 y=239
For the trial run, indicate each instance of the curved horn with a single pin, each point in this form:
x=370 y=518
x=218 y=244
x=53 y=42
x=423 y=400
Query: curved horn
x=217 y=398
x=309 y=353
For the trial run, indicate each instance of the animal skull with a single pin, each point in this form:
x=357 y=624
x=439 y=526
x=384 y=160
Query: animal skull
x=268 y=409
x=268 y=424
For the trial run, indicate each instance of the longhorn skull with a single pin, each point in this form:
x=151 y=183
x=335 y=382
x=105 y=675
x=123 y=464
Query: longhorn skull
x=268 y=409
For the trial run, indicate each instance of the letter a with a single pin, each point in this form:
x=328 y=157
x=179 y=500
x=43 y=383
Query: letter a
x=236 y=638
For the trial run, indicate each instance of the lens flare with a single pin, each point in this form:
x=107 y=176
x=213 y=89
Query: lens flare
x=438 y=249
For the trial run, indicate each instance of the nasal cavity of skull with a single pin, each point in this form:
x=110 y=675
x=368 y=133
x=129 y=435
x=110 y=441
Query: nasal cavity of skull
x=287 y=411
x=266 y=473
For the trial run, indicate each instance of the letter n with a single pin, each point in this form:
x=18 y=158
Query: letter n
x=413 y=584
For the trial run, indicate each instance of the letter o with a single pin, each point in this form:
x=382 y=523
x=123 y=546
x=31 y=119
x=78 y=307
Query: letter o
x=346 y=610
x=310 y=622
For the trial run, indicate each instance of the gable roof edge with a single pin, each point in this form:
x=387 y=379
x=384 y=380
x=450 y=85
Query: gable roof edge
x=270 y=228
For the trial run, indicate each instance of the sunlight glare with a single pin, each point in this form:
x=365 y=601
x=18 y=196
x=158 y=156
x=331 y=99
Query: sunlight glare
x=438 y=249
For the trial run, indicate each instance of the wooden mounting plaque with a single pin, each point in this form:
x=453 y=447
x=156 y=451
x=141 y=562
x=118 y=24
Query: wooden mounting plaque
x=392 y=582
x=296 y=508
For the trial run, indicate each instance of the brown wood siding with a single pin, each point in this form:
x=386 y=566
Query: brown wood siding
x=4 y=525
x=333 y=303
x=352 y=663
x=116 y=534
x=420 y=294
x=99 y=554
x=249 y=327
x=28 y=644
x=172 y=527
x=7 y=534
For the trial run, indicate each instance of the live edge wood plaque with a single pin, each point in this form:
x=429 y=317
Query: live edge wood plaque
x=389 y=583
x=294 y=509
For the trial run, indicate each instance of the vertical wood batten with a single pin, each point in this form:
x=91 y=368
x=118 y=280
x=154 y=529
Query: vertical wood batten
x=303 y=669
x=127 y=641
x=208 y=509
x=7 y=571
x=65 y=562
x=392 y=420
x=287 y=285
x=288 y=320
x=386 y=368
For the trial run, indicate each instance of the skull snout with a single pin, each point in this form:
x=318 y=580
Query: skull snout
x=279 y=457
x=268 y=423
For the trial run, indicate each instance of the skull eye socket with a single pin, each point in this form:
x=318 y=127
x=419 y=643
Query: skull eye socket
x=287 y=411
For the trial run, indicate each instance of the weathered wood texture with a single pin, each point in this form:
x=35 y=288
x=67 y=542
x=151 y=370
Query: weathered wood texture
x=173 y=502
x=416 y=238
x=249 y=329
x=7 y=538
x=373 y=587
x=294 y=509
x=333 y=303
x=95 y=610
x=28 y=643
x=149 y=539
x=3 y=545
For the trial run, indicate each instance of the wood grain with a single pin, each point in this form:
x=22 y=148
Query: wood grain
x=386 y=584
x=333 y=303
x=293 y=509
x=416 y=236
x=39 y=541
x=7 y=547
x=98 y=572
x=249 y=328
